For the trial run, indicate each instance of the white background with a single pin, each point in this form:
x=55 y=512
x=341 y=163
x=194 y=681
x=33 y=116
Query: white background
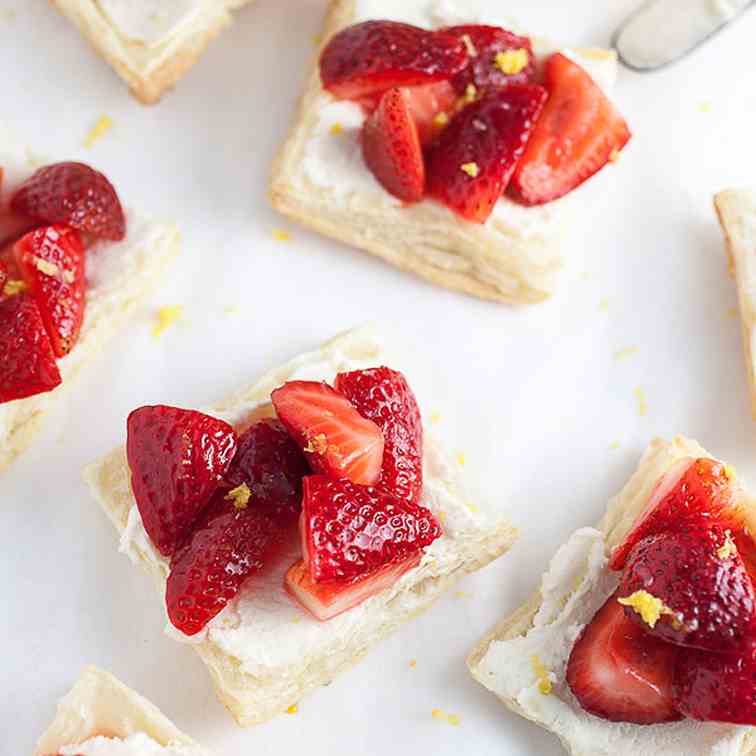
x=533 y=397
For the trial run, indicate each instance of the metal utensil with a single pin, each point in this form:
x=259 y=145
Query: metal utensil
x=662 y=32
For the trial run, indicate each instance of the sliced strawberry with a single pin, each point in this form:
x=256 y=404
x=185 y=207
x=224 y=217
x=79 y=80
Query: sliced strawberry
x=717 y=687
x=74 y=194
x=384 y=396
x=51 y=262
x=350 y=531
x=327 y=600
x=177 y=459
x=618 y=672
x=337 y=440
x=706 y=594
x=27 y=361
x=374 y=56
x=391 y=147
x=230 y=542
x=578 y=133
x=692 y=489
x=271 y=465
x=474 y=157
x=496 y=59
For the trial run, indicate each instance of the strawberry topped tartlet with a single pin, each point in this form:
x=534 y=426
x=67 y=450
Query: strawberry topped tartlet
x=295 y=526
x=100 y=716
x=447 y=144
x=73 y=265
x=642 y=638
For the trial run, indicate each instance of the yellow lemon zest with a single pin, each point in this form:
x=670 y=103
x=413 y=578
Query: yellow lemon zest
x=614 y=445
x=281 y=234
x=451 y=719
x=14 y=286
x=166 y=317
x=642 y=403
x=728 y=548
x=471 y=169
x=461 y=459
x=239 y=496
x=542 y=674
x=103 y=125
x=293 y=709
x=336 y=129
x=511 y=62
x=621 y=354
x=647 y=606
x=441 y=119
x=48 y=268
x=317 y=444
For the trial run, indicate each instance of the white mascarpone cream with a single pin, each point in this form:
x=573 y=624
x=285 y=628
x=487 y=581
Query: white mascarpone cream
x=334 y=161
x=575 y=586
x=251 y=628
x=137 y=744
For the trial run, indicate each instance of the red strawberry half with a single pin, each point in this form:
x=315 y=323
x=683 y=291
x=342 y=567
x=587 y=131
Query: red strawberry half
x=391 y=147
x=337 y=440
x=706 y=595
x=356 y=541
x=618 y=672
x=27 y=360
x=51 y=261
x=231 y=542
x=577 y=134
x=717 y=687
x=74 y=194
x=496 y=58
x=177 y=459
x=271 y=464
x=471 y=163
x=374 y=56
x=692 y=489
x=384 y=396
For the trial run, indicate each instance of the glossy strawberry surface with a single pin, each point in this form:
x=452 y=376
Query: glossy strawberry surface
x=336 y=439
x=619 y=672
x=177 y=459
x=472 y=161
x=51 y=260
x=349 y=531
x=578 y=133
x=384 y=396
x=74 y=194
x=374 y=56
x=486 y=67
x=27 y=360
x=699 y=576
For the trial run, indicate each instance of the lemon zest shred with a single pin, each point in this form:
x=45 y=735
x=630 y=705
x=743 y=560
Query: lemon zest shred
x=281 y=234
x=451 y=719
x=336 y=129
x=622 y=354
x=614 y=445
x=511 y=62
x=728 y=548
x=471 y=169
x=103 y=125
x=604 y=305
x=461 y=459
x=14 y=286
x=642 y=403
x=317 y=444
x=435 y=417
x=48 y=268
x=293 y=709
x=239 y=496
x=545 y=685
x=441 y=119
x=166 y=317
x=649 y=607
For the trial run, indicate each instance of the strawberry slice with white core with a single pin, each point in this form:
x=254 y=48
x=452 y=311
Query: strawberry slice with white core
x=327 y=600
x=618 y=672
x=691 y=489
x=336 y=439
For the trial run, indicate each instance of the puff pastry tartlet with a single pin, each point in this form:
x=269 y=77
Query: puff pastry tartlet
x=526 y=659
x=150 y=44
x=736 y=209
x=101 y=715
x=83 y=273
x=509 y=252
x=263 y=650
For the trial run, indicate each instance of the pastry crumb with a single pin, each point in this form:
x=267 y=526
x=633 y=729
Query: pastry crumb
x=239 y=496
x=511 y=62
x=336 y=129
x=14 y=286
x=281 y=234
x=166 y=317
x=103 y=125
x=293 y=709
x=542 y=675
x=413 y=663
x=728 y=548
x=471 y=169
x=641 y=398
x=621 y=354
x=649 y=607
x=471 y=49
x=440 y=714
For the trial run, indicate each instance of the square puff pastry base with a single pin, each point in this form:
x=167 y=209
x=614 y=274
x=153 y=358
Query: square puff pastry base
x=99 y=704
x=253 y=699
x=427 y=239
x=736 y=209
x=609 y=738
x=149 y=73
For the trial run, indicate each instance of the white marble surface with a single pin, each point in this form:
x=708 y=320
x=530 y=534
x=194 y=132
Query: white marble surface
x=534 y=397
